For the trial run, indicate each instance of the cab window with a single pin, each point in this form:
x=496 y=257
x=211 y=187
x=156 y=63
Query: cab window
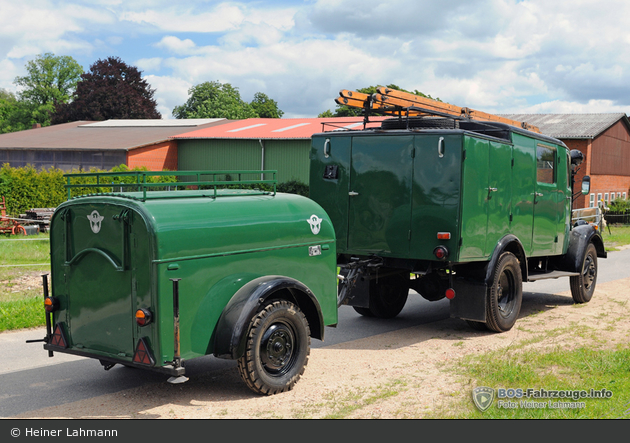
x=546 y=164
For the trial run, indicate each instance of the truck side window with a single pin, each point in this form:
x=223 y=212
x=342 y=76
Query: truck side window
x=546 y=164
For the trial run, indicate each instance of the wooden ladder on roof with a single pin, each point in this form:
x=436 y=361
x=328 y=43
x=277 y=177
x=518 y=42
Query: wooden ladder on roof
x=398 y=103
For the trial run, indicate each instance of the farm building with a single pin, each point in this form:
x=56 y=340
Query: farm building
x=102 y=145
x=604 y=139
x=257 y=143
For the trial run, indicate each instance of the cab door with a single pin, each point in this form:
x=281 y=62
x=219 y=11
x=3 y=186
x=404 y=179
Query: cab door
x=547 y=205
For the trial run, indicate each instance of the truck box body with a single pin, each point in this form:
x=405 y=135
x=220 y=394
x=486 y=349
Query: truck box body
x=390 y=193
x=112 y=255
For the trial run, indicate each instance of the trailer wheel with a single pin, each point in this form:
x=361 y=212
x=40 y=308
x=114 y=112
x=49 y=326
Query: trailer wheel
x=277 y=349
x=583 y=285
x=505 y=295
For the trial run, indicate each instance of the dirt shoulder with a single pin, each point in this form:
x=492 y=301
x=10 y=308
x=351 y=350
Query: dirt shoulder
x=402 y=374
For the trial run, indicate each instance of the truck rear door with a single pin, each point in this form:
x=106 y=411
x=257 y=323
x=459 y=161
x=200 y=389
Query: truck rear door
x=380 y=195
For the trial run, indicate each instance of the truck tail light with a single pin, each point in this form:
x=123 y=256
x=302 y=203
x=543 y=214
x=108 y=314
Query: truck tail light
x=444 y=235
x=51 y=304
x=143 y=317
x=450 y=293
x=440 y=252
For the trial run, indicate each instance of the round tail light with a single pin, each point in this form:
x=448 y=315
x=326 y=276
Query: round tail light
x=440 y=252
x=143 y=317
x=51 y=304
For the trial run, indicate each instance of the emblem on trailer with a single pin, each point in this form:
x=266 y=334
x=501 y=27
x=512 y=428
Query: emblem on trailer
x=483 y=396
x=316 y=223
x=95 y=221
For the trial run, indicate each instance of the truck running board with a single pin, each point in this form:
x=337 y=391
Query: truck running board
x=535 y=276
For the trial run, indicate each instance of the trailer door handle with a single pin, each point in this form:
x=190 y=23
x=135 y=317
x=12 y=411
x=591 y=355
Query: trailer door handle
x=353 y=193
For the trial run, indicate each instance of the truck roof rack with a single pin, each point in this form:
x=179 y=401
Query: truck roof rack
x=143 y=184
x=393 y=102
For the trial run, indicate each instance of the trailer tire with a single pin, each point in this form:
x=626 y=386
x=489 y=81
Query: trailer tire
x=505 y=294
x=277 y=348
x=583 y=285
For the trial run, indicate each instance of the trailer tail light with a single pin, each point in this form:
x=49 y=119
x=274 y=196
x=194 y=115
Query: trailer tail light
x=444 y=235
x=450 y=293
x=143 y=317
x=440 y=252
x=51 y=304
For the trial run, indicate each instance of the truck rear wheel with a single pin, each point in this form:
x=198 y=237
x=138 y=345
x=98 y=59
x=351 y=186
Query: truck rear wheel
x=505 y=295
x=388 y=296
x=583 y=285
x=277 y=349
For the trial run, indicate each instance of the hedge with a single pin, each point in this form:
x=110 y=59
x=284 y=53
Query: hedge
x=25 y=188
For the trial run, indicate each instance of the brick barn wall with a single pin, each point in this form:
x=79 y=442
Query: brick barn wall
x=155 y=157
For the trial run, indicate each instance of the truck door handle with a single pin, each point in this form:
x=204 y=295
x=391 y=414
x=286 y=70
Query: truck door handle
x=493 y=189
x=353 y=193
x=538 y=194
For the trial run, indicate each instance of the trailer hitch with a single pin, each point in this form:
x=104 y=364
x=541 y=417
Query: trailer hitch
x=353 y=271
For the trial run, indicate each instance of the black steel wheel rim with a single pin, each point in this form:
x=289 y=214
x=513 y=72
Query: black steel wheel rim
x=506 y=294
x=278 y=349
x=589 y=272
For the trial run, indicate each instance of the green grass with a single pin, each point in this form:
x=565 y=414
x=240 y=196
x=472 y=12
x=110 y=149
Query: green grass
x=615 y=236
x=564 y=370
x=21 y=306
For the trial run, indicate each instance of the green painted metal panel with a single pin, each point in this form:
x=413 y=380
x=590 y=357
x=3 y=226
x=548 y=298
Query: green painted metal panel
x=436 y=193
x=499 y=194
x=379 y=211
x=289 y=157
x=474 y=210
x=330 y=182
x=524 y=173
x=218 y=155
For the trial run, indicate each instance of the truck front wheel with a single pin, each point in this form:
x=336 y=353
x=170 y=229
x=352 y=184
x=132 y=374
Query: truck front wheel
x=277 y=349
x=505 y=295
x=583 y=285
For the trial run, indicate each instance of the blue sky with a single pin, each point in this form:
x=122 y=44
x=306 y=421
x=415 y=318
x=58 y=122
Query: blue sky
x=501 y=56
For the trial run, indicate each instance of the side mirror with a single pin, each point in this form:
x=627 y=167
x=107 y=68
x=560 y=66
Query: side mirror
x=586 y=185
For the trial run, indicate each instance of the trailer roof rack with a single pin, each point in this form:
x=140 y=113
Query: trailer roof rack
x=143 y=185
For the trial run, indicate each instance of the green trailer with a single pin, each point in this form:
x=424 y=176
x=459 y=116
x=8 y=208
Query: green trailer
x=451 y=207
x=150 y=277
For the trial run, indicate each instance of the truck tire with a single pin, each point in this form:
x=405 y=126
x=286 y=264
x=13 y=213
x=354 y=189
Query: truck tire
x=583 y=285
x=388 y=296
x=505 y=294
x=277 y=348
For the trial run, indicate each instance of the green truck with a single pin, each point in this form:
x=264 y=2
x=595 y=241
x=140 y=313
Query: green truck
x=150 y=277
x=450 y=206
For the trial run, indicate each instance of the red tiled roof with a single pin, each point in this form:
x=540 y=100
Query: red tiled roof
x=277 y=128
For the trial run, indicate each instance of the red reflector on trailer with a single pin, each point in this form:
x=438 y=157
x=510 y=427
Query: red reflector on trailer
x=444 y=235
x=450 y=293
x=58 y=338
x=143 y=353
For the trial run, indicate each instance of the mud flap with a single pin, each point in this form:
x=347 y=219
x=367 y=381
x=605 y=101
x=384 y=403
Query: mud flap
x=470 y=300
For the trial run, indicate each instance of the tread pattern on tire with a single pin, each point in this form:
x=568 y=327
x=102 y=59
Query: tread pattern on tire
x=246 y=364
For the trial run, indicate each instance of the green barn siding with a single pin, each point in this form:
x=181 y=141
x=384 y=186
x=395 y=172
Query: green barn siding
x=289 y=157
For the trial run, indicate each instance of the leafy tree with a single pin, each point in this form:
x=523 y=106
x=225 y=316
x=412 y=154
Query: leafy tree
x=265 y=107
x=17 y=115
x=50 y=79
x=214 y=100
x=110 y=90
x=347 y=111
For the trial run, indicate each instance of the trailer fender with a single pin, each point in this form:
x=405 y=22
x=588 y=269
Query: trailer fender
x=581 y=236
x=230 y=339
x=509 y=243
